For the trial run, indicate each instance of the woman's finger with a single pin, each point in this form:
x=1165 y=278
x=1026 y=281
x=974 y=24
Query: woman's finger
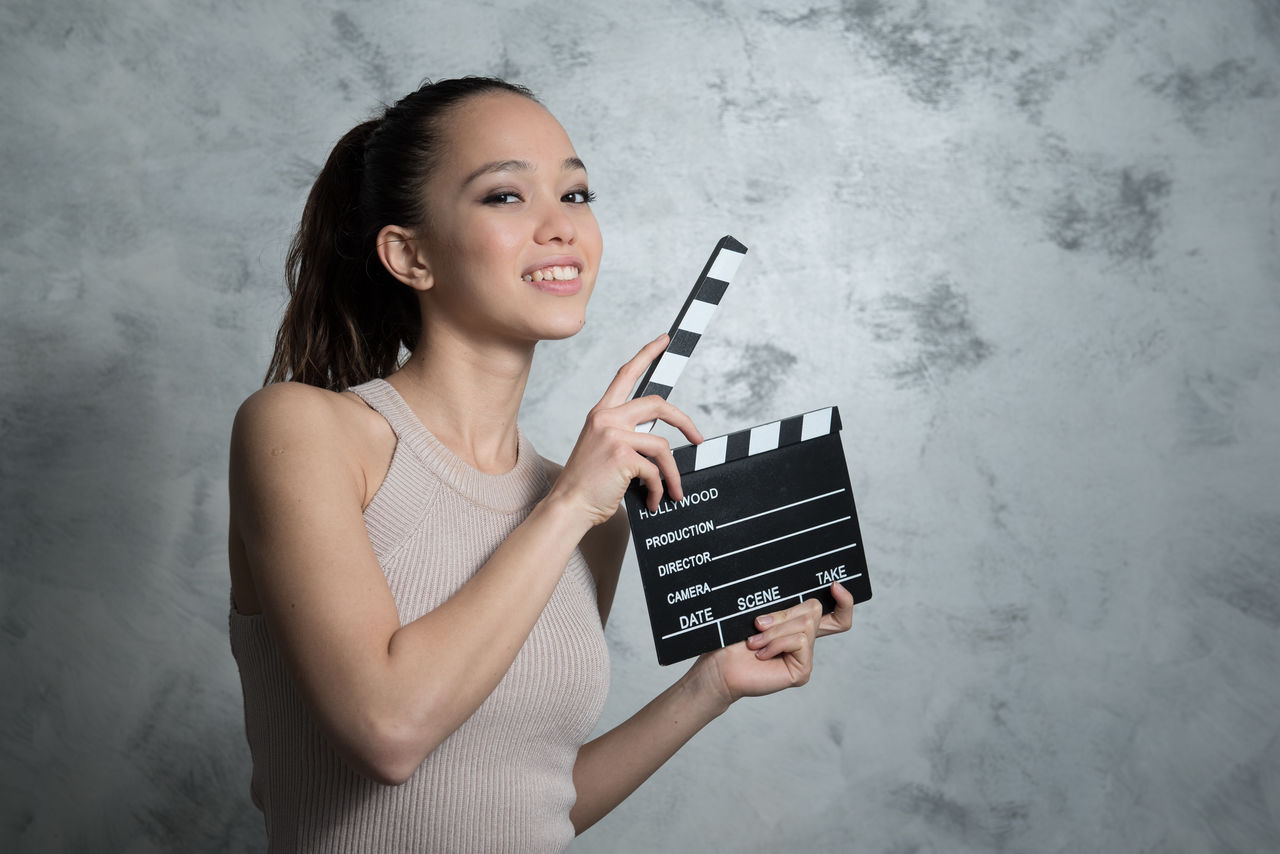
x=620 y=389
x=802 y=618
x=648 y=474
x=652 y=407
x=771 y=645
x=809 y=609
x=841 y=619
x=796 y=650
x=658 y=450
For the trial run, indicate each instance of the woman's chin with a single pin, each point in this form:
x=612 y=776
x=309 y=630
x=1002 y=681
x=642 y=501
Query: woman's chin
x=563 y=326
x=561 y=332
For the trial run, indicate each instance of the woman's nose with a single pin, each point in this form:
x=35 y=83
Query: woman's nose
x=554 y=224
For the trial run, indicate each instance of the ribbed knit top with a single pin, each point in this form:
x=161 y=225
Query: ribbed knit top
x=503 y=780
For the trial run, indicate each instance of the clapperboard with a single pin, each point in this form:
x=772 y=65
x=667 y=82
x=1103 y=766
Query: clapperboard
x=767 y=517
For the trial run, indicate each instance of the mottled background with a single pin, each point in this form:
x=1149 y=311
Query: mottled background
x=1030 y=249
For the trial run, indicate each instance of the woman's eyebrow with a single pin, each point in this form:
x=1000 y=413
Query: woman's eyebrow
x=499 y=166
x=569 y=164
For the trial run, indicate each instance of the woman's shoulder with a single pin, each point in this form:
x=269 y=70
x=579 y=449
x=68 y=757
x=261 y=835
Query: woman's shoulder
x=303 y=418
x=297 y=406
x=288 y=410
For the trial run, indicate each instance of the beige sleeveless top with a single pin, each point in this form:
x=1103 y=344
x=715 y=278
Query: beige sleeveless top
x=503 y=781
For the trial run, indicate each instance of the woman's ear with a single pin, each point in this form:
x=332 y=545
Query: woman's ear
x=403 y=257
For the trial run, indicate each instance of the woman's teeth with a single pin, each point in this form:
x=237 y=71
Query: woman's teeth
x=547 y=274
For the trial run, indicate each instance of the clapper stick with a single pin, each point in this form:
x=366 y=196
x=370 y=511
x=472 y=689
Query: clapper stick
x=691 y=322
x=767 y=519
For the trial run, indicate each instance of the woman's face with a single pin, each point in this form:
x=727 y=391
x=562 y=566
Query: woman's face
x=510 y=239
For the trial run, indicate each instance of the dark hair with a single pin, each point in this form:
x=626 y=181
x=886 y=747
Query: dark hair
x=347 y=317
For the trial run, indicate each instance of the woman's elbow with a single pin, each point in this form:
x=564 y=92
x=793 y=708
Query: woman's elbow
x=389 y=750
x=388 y=770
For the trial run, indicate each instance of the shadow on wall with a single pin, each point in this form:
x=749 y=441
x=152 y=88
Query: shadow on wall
x=108 y=630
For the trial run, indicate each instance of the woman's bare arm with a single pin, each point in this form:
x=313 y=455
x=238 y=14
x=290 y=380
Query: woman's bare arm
x=612 y=766
x=383 y=693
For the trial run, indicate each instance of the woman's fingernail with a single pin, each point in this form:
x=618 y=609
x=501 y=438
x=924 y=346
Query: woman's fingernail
x=764 y=622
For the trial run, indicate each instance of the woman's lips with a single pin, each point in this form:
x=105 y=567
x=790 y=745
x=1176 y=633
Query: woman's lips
x=556 y=272
x=558 y=279
x=559 y=287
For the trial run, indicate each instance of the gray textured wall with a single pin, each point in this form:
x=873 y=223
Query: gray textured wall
x=1030 y=249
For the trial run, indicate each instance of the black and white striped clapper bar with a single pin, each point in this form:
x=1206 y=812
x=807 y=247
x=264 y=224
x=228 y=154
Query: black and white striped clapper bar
x=692 y=321
x=767 y=520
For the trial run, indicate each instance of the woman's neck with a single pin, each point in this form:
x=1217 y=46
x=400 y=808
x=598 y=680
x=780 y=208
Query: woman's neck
x=468 y=394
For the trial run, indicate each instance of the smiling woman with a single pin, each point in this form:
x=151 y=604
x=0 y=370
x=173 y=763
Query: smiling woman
x=418 y=598
x=500 y=226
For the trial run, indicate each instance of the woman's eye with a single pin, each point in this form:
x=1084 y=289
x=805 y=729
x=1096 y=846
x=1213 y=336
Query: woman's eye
x=579 y=197
x=502 y=198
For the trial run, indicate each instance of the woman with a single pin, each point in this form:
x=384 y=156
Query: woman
x=418 y=599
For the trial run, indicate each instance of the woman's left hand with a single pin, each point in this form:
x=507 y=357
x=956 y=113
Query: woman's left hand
x=780 y=655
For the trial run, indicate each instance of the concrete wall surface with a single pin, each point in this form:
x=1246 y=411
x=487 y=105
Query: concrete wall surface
x=1029 y=249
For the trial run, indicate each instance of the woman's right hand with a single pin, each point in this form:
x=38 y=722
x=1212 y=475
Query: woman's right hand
x=610 y=453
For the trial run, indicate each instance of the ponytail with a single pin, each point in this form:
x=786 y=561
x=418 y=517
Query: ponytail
x=348 y=319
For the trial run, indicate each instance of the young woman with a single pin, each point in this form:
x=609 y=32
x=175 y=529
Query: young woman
x=418 y=598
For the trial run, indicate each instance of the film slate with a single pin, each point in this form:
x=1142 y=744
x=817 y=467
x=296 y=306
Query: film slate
x=767 y=520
